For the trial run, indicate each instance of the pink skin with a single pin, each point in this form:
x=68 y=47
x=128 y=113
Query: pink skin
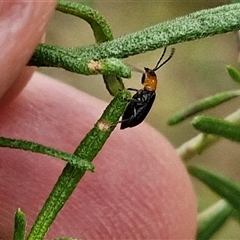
x=140 y=189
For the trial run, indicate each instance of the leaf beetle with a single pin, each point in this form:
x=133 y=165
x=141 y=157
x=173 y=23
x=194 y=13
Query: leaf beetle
x=141 y=102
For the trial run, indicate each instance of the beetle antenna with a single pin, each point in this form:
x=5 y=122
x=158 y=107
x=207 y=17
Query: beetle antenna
x=135 y=69
x=164 y=51
x=170 y=56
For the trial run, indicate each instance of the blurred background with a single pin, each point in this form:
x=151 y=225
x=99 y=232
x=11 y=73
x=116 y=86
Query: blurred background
x=197 y=70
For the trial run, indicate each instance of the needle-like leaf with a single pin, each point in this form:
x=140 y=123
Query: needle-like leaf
x=223 y=186
x=216 y=126
x=202 y=105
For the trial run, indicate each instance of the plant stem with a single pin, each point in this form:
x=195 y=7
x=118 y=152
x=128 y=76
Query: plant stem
x=202 y=141
x=202 y=105
x=102 y=33
x=68 y=180
x=216 y=126
x=101 y=29
x=38 y=148
x=211 y=219
x=225 y=187
x=194 y=26
x=20 y=225
x=53 y=56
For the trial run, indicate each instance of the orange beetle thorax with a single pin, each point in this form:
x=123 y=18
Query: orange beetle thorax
x=149 y=80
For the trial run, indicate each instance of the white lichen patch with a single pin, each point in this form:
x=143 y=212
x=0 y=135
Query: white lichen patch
x=94 y=65
x=103 y=125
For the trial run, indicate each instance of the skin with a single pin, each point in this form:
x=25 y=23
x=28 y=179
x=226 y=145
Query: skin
x=140 y=189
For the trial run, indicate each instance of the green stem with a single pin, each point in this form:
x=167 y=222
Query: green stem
x=53 y=56
x=202 y=141
x=38 y=148
x=101 y=29
x=19 y=225
x=68 y=180
x=233 y=73
x=202 y=105
x=102 y=33
x=216 y=126
x=194 y=26
x=211 y=219
x=223 y=186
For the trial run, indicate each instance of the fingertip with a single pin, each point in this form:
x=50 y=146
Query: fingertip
x=140 y=184
x=23 y=24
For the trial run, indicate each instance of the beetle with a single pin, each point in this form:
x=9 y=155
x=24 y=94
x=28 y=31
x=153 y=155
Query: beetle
x=141 y=102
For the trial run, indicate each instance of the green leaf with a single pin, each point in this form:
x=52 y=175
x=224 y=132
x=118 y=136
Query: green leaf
x=236 y=215
x=235 y=1
x=233 y=73
x=38 y=148
x=87 y=149
x=202 y=105
x=216 y=126
x=211 y=219
x=57 y=57
x=113 y=84
x=194 y=26
x=102 y=33
x=223 y=186
x=101 y=29
x=202 y=141
x=110 y=66
x=19 y=225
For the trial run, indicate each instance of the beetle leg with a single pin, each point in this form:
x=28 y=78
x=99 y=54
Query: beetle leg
x=133 y=89
x=127 y=120
x=135 y=100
